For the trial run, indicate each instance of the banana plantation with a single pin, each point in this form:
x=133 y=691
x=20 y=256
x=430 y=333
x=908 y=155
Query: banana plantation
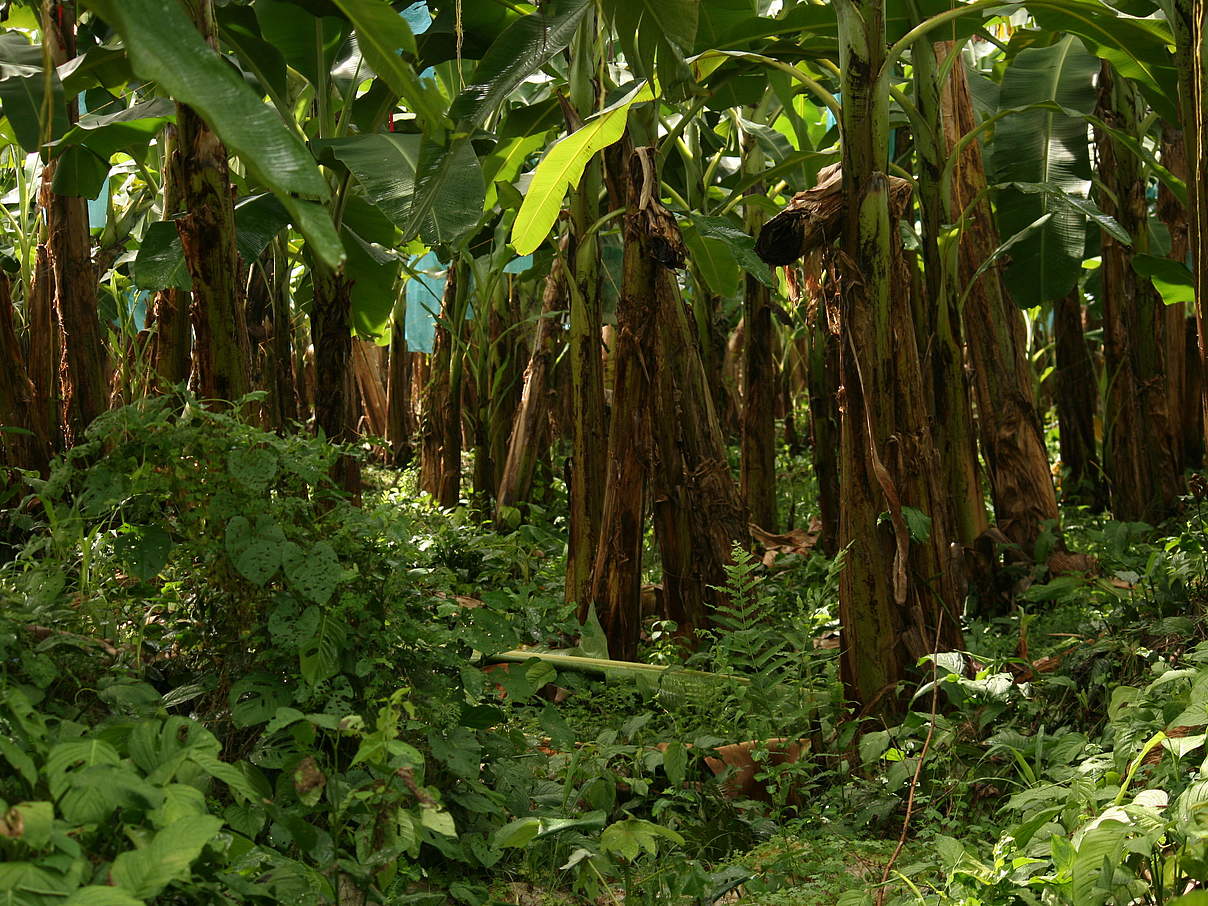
x=603 y=451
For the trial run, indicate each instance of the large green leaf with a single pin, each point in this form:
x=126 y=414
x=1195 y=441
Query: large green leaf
x=22 y=89
x=739 y=243
x=656 y=35
x=313 y=221
x=523 y=48
x=1138 y=49
x=562 y=168
x=130 y=130
x=454 y=177
x=382 y=34
x=146 y=872
x=382 y=163
x=1172 y=279
x=240 y=30
x=374 y=288
x=520 y=50
x=160 y=262
x=714 y=261
x=719 y=18
x=308 y=43
x=68 y=758
x=813 y=28
x=98 y=895
x=165 y=47
x=258 y=219
x=1083 y=207
x=323 y=639
x=1049 y=148
x=80 y=173
x=503 y=164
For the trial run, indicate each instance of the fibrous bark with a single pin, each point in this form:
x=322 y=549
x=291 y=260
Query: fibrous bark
x=29 y=447
x=1012 y=439
x=83 y=370
x=758 y=419
x=939 y=321
x=588 y=427
x=664 y=431
x=1186 y=437
x=699 y=512
x=1189 y=24
x=532 y=416
x=440 y=421
x=400 y=414
x=171 y=352
x=1140 y=458
x=897 y=593
x=1077 y=401
x=207 y=233
x=331 y=334
x=45 y=346
x=823 y=389
x=616 y=575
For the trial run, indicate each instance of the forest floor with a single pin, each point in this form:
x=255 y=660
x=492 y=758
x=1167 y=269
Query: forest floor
x=214 y=666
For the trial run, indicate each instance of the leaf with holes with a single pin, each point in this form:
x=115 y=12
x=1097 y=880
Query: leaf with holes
x=254 y=468
x=255 y=549
x=314 y=574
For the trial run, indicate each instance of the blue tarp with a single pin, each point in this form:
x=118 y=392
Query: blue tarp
x=422 y=296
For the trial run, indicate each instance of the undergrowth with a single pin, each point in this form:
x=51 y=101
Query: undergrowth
x=221 y=682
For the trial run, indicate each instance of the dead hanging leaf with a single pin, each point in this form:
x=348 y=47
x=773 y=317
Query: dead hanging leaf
x=309 y=780
x=798 y=541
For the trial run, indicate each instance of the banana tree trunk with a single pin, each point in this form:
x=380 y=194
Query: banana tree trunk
x=1140 y=456
x=1185 y=435
x=943 y=349
x=1189 y=24
x=699 y=512
x=1077 y=400
x=822 y=382
x=897 y=595
x=588 y=432
x=367 y=369
x=616 y=575
x=45 y=346
x=1012 y=439
x=171 y=352
x=531 y=424
x=28 y=448
x=588 y=427
x=83 y=370
x=331 y=333
x=281 y=353
x=207 y=232
x=440 y=423
x=400 y=415
x=758 y=420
